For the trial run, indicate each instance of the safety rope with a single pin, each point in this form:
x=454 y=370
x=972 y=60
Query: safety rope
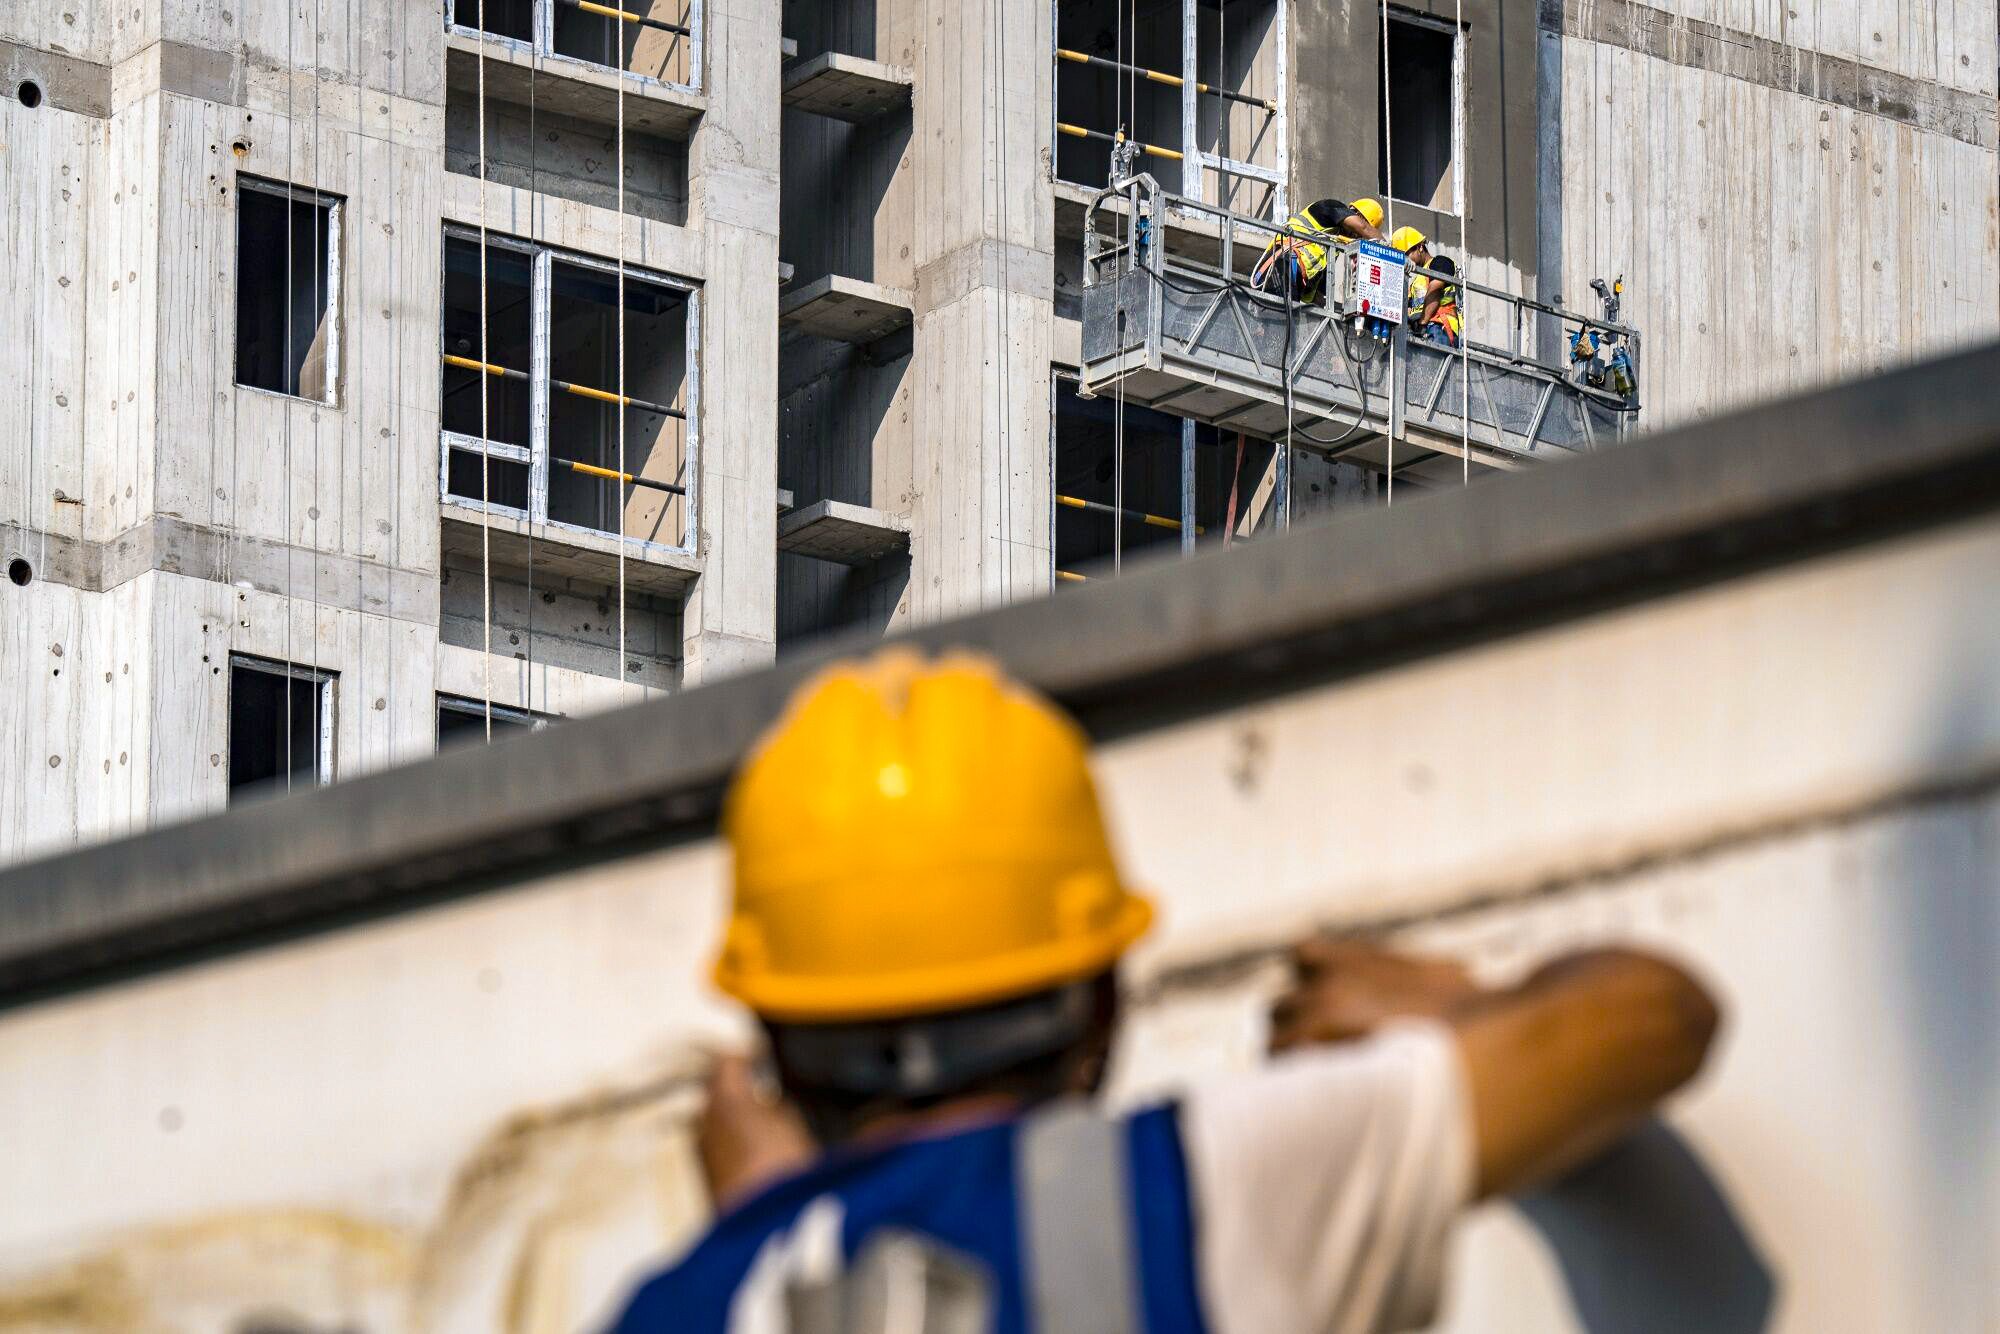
x=291 y=175
x=329 y=365
x=1462 y=164
x=526 y=695
x=1389 y=217
x=485 y=425
x=1123 y=105
x=1003 y=314
x=618 y=66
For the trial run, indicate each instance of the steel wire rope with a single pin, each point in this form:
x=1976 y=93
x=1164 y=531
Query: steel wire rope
x=527 y=690
x=1122 y=107
x=1389 y=209
x=291 y=175
x=623 y=495
x=1003 y=314
x=329 y=363
x=485 y=414
x=1463 y=185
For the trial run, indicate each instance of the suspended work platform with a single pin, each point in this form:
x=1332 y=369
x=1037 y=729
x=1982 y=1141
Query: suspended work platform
x=1189 y=335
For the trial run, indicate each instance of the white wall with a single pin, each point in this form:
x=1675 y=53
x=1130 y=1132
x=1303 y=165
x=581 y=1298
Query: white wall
x=473 y=1117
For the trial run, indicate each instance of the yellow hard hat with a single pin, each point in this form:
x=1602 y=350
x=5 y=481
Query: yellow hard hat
x=1407 y=239
x=914 y=837
x=1369 y=209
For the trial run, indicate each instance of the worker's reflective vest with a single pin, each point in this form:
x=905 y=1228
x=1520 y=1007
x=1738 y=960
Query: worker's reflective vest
x=977 y=1223
x=1309 y=255
x=1447 y=311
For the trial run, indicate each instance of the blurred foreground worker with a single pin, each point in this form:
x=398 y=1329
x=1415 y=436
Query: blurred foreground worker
x=1294 y=266
x=927 y=916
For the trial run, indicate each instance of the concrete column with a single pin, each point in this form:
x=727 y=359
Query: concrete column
x=731 y=614
x=983 y=256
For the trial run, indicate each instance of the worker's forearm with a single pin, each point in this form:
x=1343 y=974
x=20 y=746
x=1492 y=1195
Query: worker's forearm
x=1568 y=1061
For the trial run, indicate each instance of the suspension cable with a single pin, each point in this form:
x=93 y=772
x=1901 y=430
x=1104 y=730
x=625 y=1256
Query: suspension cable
x=1389 y=216
x=1463 y=165
x=485 y=426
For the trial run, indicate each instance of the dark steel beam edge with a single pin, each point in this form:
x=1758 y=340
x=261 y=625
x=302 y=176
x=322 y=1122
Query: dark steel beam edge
x=1170 y=641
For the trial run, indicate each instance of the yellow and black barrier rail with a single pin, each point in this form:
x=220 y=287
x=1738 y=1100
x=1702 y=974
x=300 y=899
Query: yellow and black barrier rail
x=1161 y=76
x=580 y=390
x=627 y=16
x=612 y=474
x=1151 y=150
x=1099 y=507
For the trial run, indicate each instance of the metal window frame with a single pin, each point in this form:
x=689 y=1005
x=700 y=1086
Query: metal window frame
x=477 y=708
x=1459 y=46
x=536 y=454
x=1196 y=164
x=335 y=205
x=541 y=48
x=325 y=678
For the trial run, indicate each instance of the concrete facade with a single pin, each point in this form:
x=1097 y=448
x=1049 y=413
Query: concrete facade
x=877 y=226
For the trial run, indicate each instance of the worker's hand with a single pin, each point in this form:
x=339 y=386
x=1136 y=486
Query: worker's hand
x=748 y=1137
x=1345 y=989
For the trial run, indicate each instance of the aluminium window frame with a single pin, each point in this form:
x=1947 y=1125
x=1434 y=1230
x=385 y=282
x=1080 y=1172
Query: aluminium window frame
x=447 y=702
x=535 y=454
x=1458 y=35
x=335 y=206
x=1196 y=164
x=327 y=731
x=541 y=49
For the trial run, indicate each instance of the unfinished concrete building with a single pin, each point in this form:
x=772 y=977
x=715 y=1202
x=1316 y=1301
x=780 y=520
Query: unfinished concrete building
x=387 y=371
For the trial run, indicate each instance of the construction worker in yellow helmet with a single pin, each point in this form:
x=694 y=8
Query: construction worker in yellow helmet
x=927 y=918
x=1294 y=261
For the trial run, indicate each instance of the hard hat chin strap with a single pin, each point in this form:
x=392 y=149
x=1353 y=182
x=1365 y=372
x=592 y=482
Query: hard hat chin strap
x=928 y=1056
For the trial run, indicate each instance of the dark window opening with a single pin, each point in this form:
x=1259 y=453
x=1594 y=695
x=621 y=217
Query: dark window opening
x=461 y=720
x=30 y=94
x=583 y=427
x=1090 y=511
x=505 y=485
x=285 y=327
x=1234 y=485
x=1416 y=144
x=279 y=721
x=652 y=48
x=507 y=345
x=20 y=572
x=502 y=18
x=1097 y=98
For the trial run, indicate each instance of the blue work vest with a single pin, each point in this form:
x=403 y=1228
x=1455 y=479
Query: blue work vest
x=1068 y=1219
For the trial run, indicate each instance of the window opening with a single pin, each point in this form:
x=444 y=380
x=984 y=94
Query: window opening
x=1088 y=508
x=280 y=726
x=287 y=290
x=1423 y=93
x=1198 y=85
x=651 y=39
x=551 y=376
x=503 y=18
x=460 y=720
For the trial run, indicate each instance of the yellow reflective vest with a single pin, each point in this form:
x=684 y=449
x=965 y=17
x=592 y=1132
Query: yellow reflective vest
x=1311 y=255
